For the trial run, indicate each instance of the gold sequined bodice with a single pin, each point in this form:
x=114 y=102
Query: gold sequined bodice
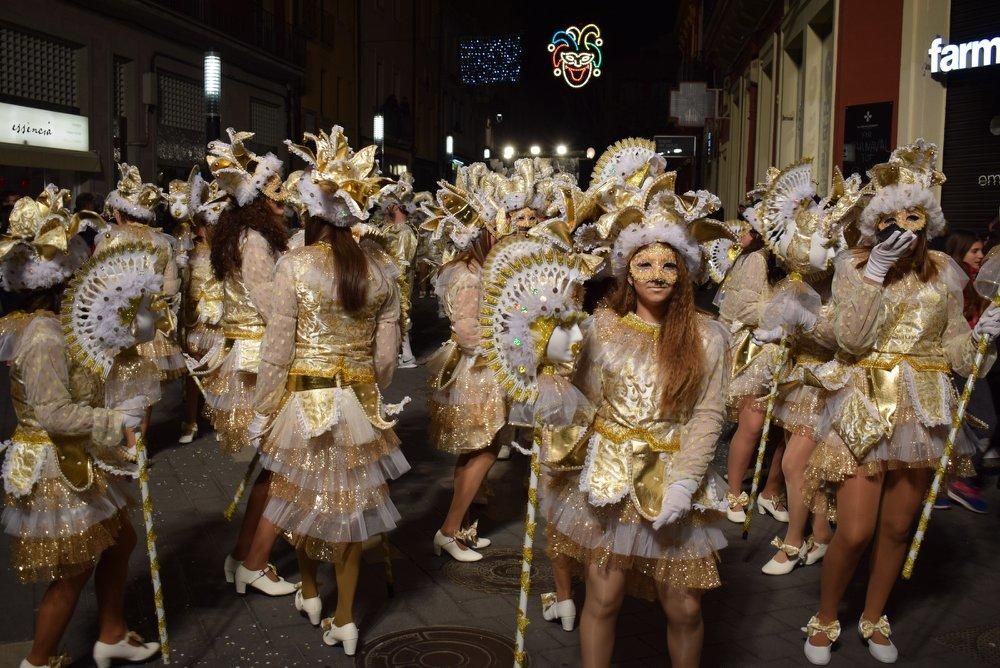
x=203 y=289
x=329 y=341
x=915 y=316
x=242 y=320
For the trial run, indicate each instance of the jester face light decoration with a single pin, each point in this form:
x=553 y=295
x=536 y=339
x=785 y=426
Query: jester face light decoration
x=576 y=54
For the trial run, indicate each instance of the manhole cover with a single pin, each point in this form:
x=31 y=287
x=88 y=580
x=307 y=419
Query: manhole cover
x=499 y=572
x=983 y=643
x=438 y=647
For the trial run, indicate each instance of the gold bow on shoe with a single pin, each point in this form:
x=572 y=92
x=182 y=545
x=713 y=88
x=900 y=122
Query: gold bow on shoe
x=790 y=550
x=62 y=661
x=831 y=630
x=743 y=500
x=469 y=535
x=868 y=628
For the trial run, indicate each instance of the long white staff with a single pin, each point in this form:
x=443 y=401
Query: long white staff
x=988 y=285
x=527 y=554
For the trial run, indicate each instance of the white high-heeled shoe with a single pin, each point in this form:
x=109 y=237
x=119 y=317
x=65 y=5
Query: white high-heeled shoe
x=229 y=568
x=814 y=552
x=482 y=542
x=449 y=545
x=313 y=607
x=819 y=655
x=556 y=610
x=346 y=634
x=123 y=650
x=883 y=653
x=737 y=514
x=259 y=581
x=765 y=505
x=188 y=433
x=794 y=554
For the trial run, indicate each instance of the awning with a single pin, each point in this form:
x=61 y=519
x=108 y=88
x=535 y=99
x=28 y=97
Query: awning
x=15 y=155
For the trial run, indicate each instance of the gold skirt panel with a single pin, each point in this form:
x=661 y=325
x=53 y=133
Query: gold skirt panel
x=469 y=411
x=232 y=420
x=166 y=354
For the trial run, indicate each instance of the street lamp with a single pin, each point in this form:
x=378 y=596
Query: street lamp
x=378 y=134
x=591 y=153
x=535 y=149
x=486 y=154
x=449 y=145
x=508 y=152
x=561 y=149
x=212 y=74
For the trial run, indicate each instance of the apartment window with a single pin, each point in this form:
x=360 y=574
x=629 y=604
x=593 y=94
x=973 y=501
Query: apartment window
x=38 y=68
x=267 y=122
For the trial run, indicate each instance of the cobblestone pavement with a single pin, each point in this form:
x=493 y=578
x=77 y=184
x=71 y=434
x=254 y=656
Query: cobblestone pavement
x=449 y=614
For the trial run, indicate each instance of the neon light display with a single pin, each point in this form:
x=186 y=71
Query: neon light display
x=576 y=54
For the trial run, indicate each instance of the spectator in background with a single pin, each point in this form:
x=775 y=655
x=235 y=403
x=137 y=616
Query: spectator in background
x=968 y=251
x=88 y=202
x=6 y=206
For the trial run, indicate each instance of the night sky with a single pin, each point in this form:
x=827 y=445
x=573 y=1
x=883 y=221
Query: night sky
x=631 y=97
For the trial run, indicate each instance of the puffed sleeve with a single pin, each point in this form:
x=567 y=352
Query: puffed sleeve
x=745 y=294
x=171 y=275
x=461 y=304
x=387 y=336
x=960 y=346
x=587 y=375
x=702 y=430
x=258 y=272
x=42 y=358
x=278 y=347
x=856 y=308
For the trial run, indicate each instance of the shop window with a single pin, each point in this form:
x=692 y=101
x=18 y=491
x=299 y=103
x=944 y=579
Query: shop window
x=180 y=135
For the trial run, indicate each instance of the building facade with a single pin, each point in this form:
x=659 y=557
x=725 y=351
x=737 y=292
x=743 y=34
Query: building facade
x=843 y=82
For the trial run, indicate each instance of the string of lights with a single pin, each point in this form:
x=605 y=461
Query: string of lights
x=490 y=60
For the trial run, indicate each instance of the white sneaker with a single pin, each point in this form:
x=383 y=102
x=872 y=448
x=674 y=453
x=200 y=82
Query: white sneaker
x=449 y=545
x=229 y=568
x=259 y=581
x=768 y=505
x=346 y=634
x=883 y=653
x=406 y=358
x=313 y=607
x=123 y=650
x=556 y=610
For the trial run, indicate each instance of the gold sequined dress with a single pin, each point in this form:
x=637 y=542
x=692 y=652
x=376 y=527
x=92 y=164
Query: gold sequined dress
x=800 y=401
x=402 y=244
x=203 y=305
x=891 y=399
x=466 y=406
x=744 y=294
x=62 y=508
x=634 y=453
x=330 y=447
x=163 y=349
x=246 y=307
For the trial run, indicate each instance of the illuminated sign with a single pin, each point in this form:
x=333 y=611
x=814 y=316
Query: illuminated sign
x=576 y=54
x=28 y=126
x=963 y=56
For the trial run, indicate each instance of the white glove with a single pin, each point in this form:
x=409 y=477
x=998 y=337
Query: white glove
x=676 y=502
x=988 y=325
x=181 y=259
x=762 y=336
x=819 y=254
x=886 y=253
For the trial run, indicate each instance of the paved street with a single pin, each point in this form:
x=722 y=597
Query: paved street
x=949 y=613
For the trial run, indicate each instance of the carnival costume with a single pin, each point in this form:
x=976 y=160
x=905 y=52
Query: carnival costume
x=247 y=294
x=402 y=244
x=138 y=201
x=204 y=294
x=64 y=495
x=635 y=451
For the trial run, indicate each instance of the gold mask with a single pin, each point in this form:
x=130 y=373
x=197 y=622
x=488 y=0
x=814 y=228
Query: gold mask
x=913 y=219
x=524 y=219
x=655 y=263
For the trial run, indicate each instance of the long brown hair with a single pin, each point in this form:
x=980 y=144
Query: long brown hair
x=226 y=256
x=957 y=245
x=350 y=264
x=680 y=355
x=920 y=262
x=478 y=250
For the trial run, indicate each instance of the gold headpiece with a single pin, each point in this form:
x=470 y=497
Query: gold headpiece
x=133 y=197
x=906 y=181
x=243 y=174
x=629 y=161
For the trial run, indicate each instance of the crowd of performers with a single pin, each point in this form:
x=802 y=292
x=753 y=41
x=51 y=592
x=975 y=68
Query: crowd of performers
x=837 y=334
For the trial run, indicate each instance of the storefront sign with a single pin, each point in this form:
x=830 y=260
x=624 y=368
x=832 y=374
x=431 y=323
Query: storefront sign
x=963 y=56
x=867 y=136
x=28 y=126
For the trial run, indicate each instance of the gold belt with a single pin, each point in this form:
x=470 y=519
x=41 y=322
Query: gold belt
x=917 y=362
x=232 y=336
x=300 y=383
x=619 y=434
x=809 y=358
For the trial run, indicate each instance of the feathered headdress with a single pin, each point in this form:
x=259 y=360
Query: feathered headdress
x=133 y=197
x=720 y=254
x=399 y=192
x=906 y=182
x=340 y=185
x=179 y=197
x=631 y=160
x=206 y=200
x=41 y=248
x=243 y=174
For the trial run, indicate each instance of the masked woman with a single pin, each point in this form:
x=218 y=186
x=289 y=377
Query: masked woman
x=639 y=522
x=897 y=310
x=331 y=343
x=246 y=243
x=65 y=515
